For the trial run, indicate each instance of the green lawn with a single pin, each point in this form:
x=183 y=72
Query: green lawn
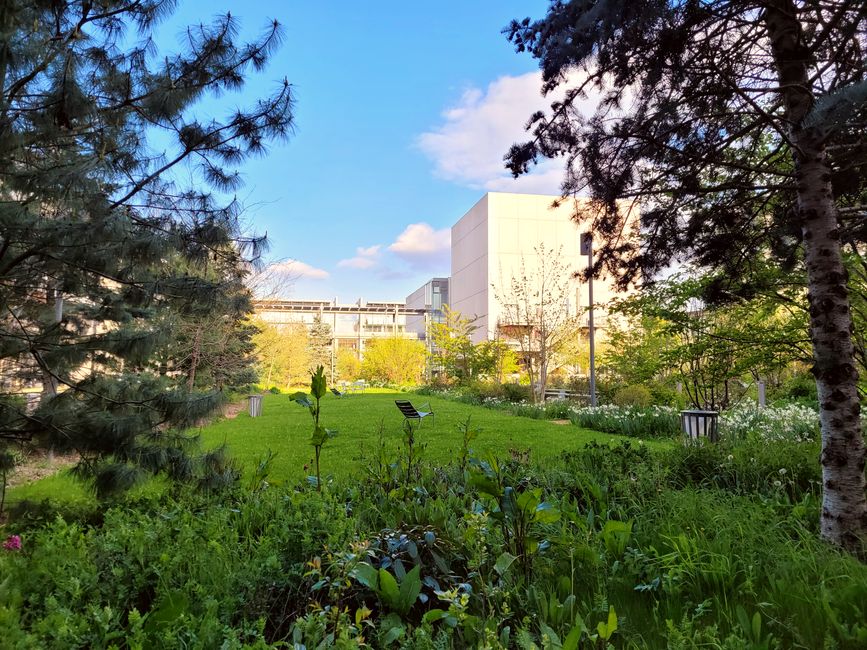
x=284 y=427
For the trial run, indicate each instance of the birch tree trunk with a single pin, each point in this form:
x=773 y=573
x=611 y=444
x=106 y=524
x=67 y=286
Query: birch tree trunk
x=844 y=507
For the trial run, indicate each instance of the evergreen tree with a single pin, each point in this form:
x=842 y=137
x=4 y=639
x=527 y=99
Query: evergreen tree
x=212 y=345
x=691 y=92
x=93 y=222
x=319 y=345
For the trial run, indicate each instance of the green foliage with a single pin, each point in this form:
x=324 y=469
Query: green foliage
x=633 y=396
x=609 y=544
x=120 y=284
x=673 y=335
x=318 y=390
x=282 y=353
x=348 y=365
x=394 y=361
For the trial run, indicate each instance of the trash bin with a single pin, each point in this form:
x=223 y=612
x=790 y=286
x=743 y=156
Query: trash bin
x=700 y=424
x=255 y=406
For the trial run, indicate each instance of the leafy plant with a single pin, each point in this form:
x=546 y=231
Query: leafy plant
x=468 y=434
x=520 y=515
x=399 y=595
x=320 y=434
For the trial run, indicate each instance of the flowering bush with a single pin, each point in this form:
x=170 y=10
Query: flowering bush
x=635 y=421
x=793 y=423
x=12 y=543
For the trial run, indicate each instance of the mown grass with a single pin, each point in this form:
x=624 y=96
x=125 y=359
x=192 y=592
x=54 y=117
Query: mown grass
x=285 y=427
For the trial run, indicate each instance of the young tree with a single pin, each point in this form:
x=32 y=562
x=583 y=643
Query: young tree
x=738 y=128
x=348 y=365
x=283 y=353
x=535 y=312
x=453 y=347
x=93 y=220
x=211 y=344
x=394 y=360
x=319 y=346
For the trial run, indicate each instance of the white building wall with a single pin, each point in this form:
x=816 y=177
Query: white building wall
x=470 y=262
x=490 y=242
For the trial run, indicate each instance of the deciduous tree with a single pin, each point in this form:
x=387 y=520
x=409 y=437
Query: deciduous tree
x=534 y=304
x=691 y=90
x=394 y=360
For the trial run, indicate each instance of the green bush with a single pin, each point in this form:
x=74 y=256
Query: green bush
x=633 y=396
x=682 y=547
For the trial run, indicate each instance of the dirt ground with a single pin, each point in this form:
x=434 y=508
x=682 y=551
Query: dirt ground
x=38 y=463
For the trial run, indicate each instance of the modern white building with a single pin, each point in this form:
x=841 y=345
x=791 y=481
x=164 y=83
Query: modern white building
x=425 y=306
x=499 y=233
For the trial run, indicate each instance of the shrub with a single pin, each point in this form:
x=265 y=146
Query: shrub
x=515 y=392
x=633 y=396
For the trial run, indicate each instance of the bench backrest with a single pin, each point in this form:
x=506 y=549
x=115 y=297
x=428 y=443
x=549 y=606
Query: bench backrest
x=406 y=407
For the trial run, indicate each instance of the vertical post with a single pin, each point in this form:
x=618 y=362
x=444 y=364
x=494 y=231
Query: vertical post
x=763 y=401
x=587 y=249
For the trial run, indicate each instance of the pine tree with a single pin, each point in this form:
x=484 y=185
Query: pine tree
x=93 y=222
x=737 y=130
x=319 y=346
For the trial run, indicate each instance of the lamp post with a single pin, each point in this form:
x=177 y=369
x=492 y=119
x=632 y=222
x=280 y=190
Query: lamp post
x=586 y=246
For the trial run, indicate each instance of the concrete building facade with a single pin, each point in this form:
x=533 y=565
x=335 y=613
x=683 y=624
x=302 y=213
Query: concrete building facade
x=496 y=236
x=427 y=301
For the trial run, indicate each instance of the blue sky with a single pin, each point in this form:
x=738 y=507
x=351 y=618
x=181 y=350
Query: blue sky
x=404 y=111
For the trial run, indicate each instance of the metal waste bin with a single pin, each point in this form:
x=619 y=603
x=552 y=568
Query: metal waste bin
x=700 y=424
x=255 y=406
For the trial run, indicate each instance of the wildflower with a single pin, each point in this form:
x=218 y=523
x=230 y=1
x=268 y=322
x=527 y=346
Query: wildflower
x=12 y=543
x=730 y=457
x=782 y=471
x=777 y=484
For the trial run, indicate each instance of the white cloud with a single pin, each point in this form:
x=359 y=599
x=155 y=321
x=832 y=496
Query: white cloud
x=298 y=270
x=422 y=246
x=468 y=147
x=365 y=258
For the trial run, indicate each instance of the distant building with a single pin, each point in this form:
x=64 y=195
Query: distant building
x=353 y=325
x=428 y=300
x=490 y=242
x=488 y=246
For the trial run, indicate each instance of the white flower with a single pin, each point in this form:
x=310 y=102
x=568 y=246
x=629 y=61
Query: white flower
x=782 y=471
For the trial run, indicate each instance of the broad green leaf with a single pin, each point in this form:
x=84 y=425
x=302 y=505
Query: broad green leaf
x=388 y=589
x=319 y=437
x=553 y=639
x=573 y=638
x=366 y=575
x=607 y=630
x=527 y=500
x=546 y=513
x=504 y=562
x=410 y=588
x=393 y=629
x=317 y=383
x=433 y=615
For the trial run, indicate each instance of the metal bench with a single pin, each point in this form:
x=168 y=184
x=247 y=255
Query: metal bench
x=412 y=413
x=562 y=393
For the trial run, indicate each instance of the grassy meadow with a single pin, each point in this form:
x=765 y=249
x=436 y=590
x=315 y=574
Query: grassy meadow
x=284 y=428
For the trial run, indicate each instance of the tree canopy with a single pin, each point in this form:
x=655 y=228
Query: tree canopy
x=97 y=234
x=737 y=131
